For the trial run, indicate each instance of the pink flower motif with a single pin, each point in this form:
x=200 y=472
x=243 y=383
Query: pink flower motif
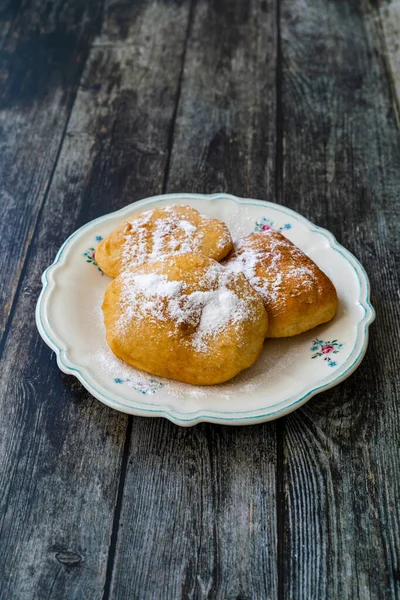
x=327 y=349
x=266 y=227
x=93 y=255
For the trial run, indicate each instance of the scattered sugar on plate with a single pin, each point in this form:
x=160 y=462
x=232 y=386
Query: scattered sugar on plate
x=277 y=357
x=240 y=222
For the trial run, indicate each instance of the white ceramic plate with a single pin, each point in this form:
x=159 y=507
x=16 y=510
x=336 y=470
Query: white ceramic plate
x=290 y=371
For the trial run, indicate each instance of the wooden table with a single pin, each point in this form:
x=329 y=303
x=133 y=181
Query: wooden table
x=103 y=103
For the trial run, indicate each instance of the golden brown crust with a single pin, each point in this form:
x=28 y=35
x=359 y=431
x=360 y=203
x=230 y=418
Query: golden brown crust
x=297 y=294
x=185 y=318
x=163 y=231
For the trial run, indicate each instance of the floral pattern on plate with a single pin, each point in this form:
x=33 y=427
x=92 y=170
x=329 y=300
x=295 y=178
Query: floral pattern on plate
x=145 y=388
x=90 y=254
x=324 y=349
x=265 y=224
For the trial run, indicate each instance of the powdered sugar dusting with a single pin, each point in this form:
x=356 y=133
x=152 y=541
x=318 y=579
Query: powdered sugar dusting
x=217 y=309
x=207 y=310
x=297 y=276
x=152 y=284
x=155 y=234
x=145 y=296
x=187 y=227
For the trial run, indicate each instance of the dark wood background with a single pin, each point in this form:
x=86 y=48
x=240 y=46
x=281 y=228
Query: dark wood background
x=103 y=102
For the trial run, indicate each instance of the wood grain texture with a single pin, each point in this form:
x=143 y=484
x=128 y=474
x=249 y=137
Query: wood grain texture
x=341 y=153
x=44 y=48
x=198 y=514
x=292 y=102
x=61 y=450
x=390 y=19
x=132 y=84
x=8 y=12
x=225 y=133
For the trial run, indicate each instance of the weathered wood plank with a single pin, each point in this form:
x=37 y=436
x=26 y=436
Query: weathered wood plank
x=43 y=52
x=226 y=125
x=198 y=514
x=341 y=153
x=61 y=450
x=198 y=517
x=390 y=19
x=8 y=12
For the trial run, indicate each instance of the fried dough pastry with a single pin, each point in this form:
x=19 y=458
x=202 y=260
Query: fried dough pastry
x=297 y=294
x=185 y=317
x=164 y=231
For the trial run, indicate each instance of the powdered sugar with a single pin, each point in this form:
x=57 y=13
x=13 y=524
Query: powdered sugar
x=145 y=296
x=154 y=235
x=206 y=311
x=245 y=262
x=122 y=373
x=247 y=256
x=219 y=308
x=187 y=227
x=152 y=284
